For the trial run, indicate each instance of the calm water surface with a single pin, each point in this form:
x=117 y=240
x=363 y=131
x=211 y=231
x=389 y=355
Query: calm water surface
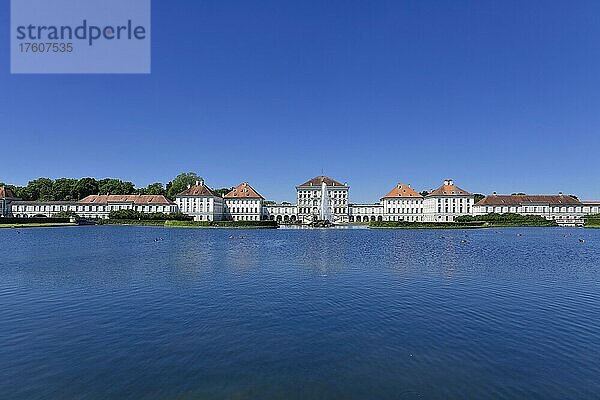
x=108 y=312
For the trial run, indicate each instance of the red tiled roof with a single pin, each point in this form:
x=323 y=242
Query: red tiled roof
x=449 y=189
x=128 y=198
x=198 y=190
x=514 y=200
x=51 y=202
x=243 y=190
x=402 y=190
x=318 y=181
x=6 y=192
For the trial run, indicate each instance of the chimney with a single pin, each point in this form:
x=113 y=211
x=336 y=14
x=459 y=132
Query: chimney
x=560 y=193
x=494 y=193
x=189 y=186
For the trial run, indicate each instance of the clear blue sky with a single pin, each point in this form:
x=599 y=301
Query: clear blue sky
x=499 y=95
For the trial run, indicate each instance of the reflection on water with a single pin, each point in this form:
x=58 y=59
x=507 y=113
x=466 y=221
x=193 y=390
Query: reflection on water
x=110 y=312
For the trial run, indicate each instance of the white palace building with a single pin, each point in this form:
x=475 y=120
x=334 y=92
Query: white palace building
x=566 y=210
x=320 y=198
x=93 y=206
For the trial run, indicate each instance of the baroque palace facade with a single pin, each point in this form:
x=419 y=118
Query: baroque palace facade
x=320 y=198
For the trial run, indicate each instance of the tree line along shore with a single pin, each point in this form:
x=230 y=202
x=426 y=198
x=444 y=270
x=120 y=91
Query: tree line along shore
x=72 y=189
x=67 y=189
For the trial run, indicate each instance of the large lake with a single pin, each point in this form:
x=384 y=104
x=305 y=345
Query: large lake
x=159 y=313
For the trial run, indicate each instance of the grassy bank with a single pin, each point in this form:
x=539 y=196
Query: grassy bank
x=222 y=224
x=423 y=225
x=35 y=222
x=518 y=224
x=38 y=225
x=130 y=222
x=470 y=222
x=592 y=221
x=494 y=220
x=453 y=225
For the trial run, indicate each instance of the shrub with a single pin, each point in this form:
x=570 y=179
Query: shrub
x=140 y=216
x=66 y=214
x=495 y=217
x=507 y=219
x=407 y=224
x=593 y=220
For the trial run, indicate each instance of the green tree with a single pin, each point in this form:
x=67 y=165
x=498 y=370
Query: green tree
x=125 y=214
x=424 y=193
x=154 y=188
x=478 y=197
x=66 y=214
x=38 y=189
x=85 y=187
x=140 y=216
x=115 y=186
x=63 y=189
x=180 y=183
x=222 y=191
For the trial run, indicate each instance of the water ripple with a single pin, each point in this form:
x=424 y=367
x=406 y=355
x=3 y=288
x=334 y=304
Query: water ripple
x=107 y=312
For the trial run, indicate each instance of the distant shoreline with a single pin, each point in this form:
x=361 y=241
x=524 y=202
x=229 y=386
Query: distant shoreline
x=157 y=224
x=38 y=225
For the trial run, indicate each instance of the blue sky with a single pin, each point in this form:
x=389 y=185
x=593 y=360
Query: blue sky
x=499 y=95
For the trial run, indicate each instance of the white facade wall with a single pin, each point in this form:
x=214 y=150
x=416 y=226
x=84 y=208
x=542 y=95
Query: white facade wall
x=30 y=209
x=92 y=211
x=590 y=209
x=309 y=203
x=4 y=207
x=548 y=211
x=403 y=209
x=284 y=213
x=446 y=208
x=366 y=213
x=241 y=209
x=202 y=208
